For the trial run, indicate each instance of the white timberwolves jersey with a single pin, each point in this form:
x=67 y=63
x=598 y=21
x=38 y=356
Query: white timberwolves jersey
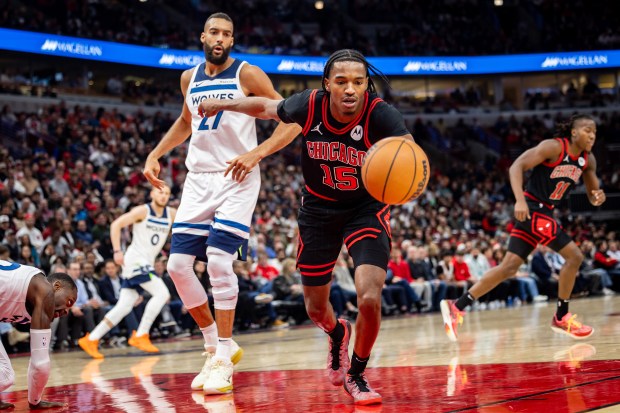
x=14 y=281
x=149 y=237
x=226 y=135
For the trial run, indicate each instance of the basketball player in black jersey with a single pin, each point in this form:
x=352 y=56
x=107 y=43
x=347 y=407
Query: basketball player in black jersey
x=340 y=122
x=557 y=166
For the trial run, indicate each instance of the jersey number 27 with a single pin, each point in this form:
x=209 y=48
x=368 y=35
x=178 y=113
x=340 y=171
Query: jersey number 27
x=204 y=125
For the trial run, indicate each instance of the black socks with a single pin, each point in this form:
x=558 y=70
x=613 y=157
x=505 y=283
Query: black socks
x=337 y=334
x=562 y=309
x=358 y=364
x=465 y=301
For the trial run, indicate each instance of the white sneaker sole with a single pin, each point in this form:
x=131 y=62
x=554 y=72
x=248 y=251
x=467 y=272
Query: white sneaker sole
x=236 y=358
x=197 y=386
x=566 y=333
x=220 y=390
x=447 y=320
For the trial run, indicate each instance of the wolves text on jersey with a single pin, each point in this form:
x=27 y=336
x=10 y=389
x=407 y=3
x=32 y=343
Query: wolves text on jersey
x=157 y=228
x=336 y=151
x=196 y=99
x=567 y=171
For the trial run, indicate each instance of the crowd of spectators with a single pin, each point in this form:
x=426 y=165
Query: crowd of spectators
x=67 y=172
x=447 y=27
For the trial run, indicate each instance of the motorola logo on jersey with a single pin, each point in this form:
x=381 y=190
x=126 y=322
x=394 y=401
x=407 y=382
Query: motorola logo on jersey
x=335 y=151
x=357 y=133
x=567 y=171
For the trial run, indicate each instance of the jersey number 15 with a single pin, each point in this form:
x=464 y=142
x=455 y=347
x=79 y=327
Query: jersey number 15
x=343 y=177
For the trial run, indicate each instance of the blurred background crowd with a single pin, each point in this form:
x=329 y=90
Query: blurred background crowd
x=69 y=167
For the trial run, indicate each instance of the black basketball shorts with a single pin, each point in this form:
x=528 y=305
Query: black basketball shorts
x=364 y=227
x=541 y=228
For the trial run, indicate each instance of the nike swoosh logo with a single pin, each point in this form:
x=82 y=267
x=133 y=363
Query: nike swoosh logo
x=199 y=83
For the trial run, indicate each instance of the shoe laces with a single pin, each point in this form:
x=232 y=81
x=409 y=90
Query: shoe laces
x=221 y=366
x=572 y=322
x=207 y=365
x=337 y=352
x=359 y=380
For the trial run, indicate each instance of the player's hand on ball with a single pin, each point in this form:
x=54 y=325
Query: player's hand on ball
x=209 y=107
x=42 y=405
x=522 y=212
x=598 y=197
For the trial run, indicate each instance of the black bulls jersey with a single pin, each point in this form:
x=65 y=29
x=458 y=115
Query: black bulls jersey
x=332 y=152
x=549 y=182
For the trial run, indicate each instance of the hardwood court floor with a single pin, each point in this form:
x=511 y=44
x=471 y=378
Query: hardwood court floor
x=506 y=361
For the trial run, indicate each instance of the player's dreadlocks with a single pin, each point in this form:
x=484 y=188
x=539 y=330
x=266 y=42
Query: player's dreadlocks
x=350 y=55
x=563 y=129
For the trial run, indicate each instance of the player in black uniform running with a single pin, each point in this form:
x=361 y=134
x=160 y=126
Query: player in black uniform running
x=340 y=122
x=557 y=165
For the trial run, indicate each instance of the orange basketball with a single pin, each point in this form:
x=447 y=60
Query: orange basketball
x=395 y=170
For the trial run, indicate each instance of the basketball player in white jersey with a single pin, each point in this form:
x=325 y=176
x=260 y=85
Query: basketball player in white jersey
x=27 y=296
x=151 y=225
x=214 y=205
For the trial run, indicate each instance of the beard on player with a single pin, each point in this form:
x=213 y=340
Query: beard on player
x=217 y=54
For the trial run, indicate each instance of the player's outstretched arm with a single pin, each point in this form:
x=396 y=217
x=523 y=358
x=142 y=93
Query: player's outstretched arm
x=135 y=215
x=547 y=150
x=596 y=195
x=281 y=137
x=256 y=83
x=41 y=294
x=180 y=130
x=257 y=107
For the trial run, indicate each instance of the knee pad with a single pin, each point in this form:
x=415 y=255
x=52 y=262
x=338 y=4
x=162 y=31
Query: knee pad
x=181 y=269
x=124 y=305
x=223 y=279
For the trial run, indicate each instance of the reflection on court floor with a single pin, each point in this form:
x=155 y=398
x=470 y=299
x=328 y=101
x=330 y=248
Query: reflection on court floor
x=569 y=385
x=506 y=361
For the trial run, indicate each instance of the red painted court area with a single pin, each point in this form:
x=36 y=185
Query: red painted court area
x=520 y=387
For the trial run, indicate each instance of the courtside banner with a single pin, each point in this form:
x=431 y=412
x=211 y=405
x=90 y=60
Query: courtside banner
x=49 y=44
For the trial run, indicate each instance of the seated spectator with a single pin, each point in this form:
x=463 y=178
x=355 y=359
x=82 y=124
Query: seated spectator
x=603 y=260
x=82 y=233
x=85 y=313
x=33 y=233
x=253 y=306
x=528 y=289
x=401 y=276
x=612 y=252
x=461 y=269
x=426 y=283
x=264 y=270
x=346 y=286
x=589 y=269
x=546 y=274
